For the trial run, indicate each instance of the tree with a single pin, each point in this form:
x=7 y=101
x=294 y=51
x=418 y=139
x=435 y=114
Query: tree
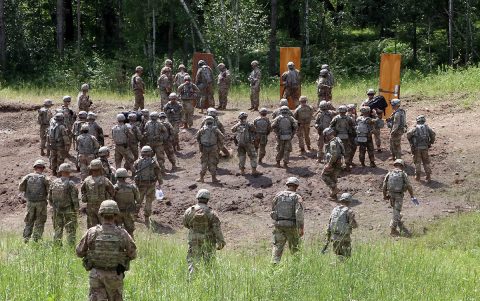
x=3 y=48
x=60 y=27
x=272 y=53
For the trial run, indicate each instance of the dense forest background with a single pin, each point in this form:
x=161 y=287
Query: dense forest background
x=66 y=42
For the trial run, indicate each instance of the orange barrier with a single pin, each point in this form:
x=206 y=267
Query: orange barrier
x=207 y=57
x=389 y=87
x=289 y=54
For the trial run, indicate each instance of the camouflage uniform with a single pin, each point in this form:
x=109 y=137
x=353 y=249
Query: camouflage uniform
x=94 y=129
x=135 y=139
x=340 y=225
x=69 y=119
x=95 y=190
x=334 y=152
x=245 y=137
x=188 y=93
x=263 y=127
x=77 y=125
x=285 y=127
x=292 y=83
x=108 y=170
x=115 y=247
x=344 y=126
x=164 y=85
x=303 y=114
x=209 y=139
x=156 y=133
x=138 y=87
x=146 y=172
x=397 y=129
x=218 y=124
x=63 y=197
x=43 y=120
x=83 y=102
x=421 y=138
x=127 y=196
x=254 y=78
x=395 y=184
x=174 y=112
x=324 y=90
x=287 y=213
x=59 y=143
x=204 y=233
x=169 y=141
x=322 y=121
x=87 y=148
x=379 y=124
x=204 y=81
x=276 y=113
x=179 y=79
x=121 y=135
x=364 y=128
x=223 y=81
x=35 y=188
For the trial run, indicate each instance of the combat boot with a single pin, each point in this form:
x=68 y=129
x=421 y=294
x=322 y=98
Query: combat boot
x=42 y=152
x=302 y=151
x=372 y=164
x=404 y=230
x=214 y=179
x=147 y=221
x=242 y=171
x=309 y=148
x=174 y=167
x=178 y=147
x=278 y=164
x=255 y=172
x=201 y=179
x=417 y=177
x=362 y=163
x=394 y=232
x=285 y=164
x=428 y=178
x=260 y=160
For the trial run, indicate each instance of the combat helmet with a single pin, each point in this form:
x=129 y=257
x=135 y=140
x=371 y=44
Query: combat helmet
x=85 y=87
x=370 y=92
x=342 y=109
x=40 y=163
x=283 y=102
x=154 y=115
x=323 y=105
x=95 y=165
x=64 y=167
x=242 y=115
x=146 y=150
x=328 y=131
x=108 y=207
x=203 y=195
x=346 y=197
x=395 y=102
x=365 y=109
x=398 y=162
x=284 y=110
x=421 y=119
x=293 y=181
x=211 y=112
x=84 y=128
x=323 y=72
x=120 y=117
x=82 y=114
x=172 y=95
x=121 y=173
x=48 y=102
x=103 y=151
x=263 y=111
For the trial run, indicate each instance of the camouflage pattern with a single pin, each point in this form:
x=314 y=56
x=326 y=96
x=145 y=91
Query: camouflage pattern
x=304 y=115
x=322 y=121
x=286 y=229
x=77 y=125
x=127 y=196
x=205 y=82
x=188 y=93
x=342 y=245
x=64 y=209
x=179 y=79
x=96 y=130
x=219 y=125
x=210 y=140
x=95 y=190
x=156 y=133
x=138 y=88
x=203 y=238
x=35 y=187
x=333 y=165
x=43 y=120
x=420 y=152
x=324 y=90
x=292 y=83
x=376 y=130
x=263 y=127
x=169 y=142
x=174 y=111
x=136 y=138
x=284 y=136
x=248 y=148
x=87 y=147
x=255 y=78
x=59 y=143
x=396 y=197
x=344 y=126
x=398 y=121
x=83 y=101
x=108 y=170
x=223 y=82
x=165 y=86
x=147 y=173
x=122 y=149
x=366 y=146
x=106 y=284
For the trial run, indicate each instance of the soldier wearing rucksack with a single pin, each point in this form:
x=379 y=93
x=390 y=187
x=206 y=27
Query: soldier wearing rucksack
x=364 y=128
x=421 y=138
x=174 y=112
x=164 y=85
x=285 y=126
x=394 y=186
x=244 y=139
x=94 y=128
x=205 y=82
x=303 y=114
x=63 y=197
x=204 y=231
x=334 y=154
x=397 y=123
x=340 y=225
x=263 y=127
x=127 y=197
x=58 y=142
x=287 y=214
x=188 y=93
x=155 y=134
x=43 y=120
x=35 y=188
x=121 y=135
x=292 y=83
x=344 y=127
x=77 y=126
x=255 y=79
x=138 y=88
x=87 y=148
x=210 y=140
x=108 y=170
x=322 y=121
x=169 y=141
x=137 y=136
x=219 y=125
x=324 y=87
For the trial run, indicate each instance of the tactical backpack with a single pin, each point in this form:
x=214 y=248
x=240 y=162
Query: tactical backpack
x=187 y=92
x=154 y=130
x=36 y=190
x=145 y=170
x=421 y=138
x=59 y=193
x=284 y=211
x=396 y=181
x=243 y=136
x=261 y=125
x=200 y=219
x=208 y=137
x=85 y=144
x=341 y=127
x=125 y=197
x=108 y=249
x=323 y=121
x=96 y=192
x=207 y=74
x=339 y=221
x=43 y=118
x=285 y=128
x=363 y=129
x=119 y=134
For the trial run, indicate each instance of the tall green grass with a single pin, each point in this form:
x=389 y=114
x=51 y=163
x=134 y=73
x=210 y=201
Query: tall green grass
x=442 y=265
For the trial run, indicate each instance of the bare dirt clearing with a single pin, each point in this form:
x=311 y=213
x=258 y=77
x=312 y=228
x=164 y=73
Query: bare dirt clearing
x=244 y=201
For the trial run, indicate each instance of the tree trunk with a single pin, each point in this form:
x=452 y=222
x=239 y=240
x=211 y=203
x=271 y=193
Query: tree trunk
x=414 y=43
x=272 y=53
x=60 y=27
x=3 y=48
x=79 y=30
x=154 y=36
x=450 y=31
x=69 y=27
x=307 y=33
x=171 y=24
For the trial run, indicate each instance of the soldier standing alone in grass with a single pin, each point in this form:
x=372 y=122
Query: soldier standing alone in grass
x=340 y=225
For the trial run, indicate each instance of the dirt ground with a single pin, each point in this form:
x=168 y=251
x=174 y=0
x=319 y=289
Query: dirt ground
x=243 y=202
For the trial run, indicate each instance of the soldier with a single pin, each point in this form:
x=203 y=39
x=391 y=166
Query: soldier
x=63 y=197
x=292 y=83
x=174 y=112
x=223 y=82
x=364 y=129
x=244 y=138
x=156 y=133
x=204 y=81
x=143 y=122
x=218 y=124
x=137 y=136
x=43 y=120
x=322 y=121
x=209 y=139
x=324 y=90
x=303 y=114
x=179 y=78
x=254 y=78
x=397 y=123
x=344 y=127
x=69 y=118
x=204 y=231
x=146 y=173
x=167 y=64
x=77 y=126
x=94 y=128
x=287 y=213
x=263 y=127
x=108 y=169
x=169 y=140
x=421 y=138
x=331 y=79
x=121 y=135
x=380 y=123
x=95 y=189
x=394 y=186
x=35 y=188
x=283 y=103
x=83 y=99
x=164 y=85
x=334 y=152
x=106 y=250
x=59 y=142
x=87 y=148
x=285 y=127
x=138 y=87
x=127 y=197
x=188 y=93
x=352 y=113
x=340 y=225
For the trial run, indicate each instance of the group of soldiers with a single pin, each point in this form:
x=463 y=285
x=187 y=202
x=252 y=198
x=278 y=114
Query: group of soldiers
x=113 y=200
